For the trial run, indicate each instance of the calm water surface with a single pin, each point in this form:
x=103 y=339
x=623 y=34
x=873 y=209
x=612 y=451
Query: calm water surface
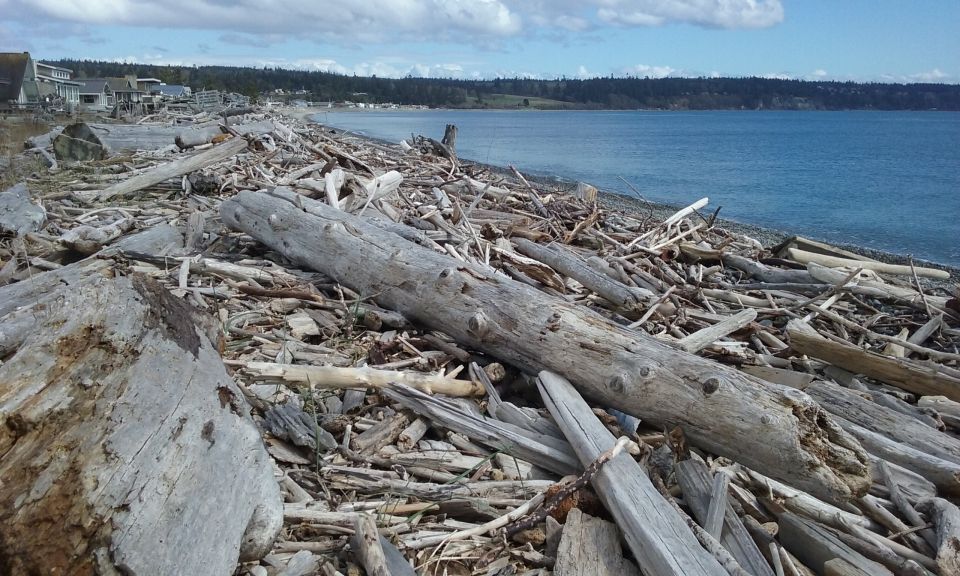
x=887 y=180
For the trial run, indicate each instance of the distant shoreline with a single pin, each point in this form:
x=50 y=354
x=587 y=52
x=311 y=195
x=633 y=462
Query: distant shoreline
x=616 y=201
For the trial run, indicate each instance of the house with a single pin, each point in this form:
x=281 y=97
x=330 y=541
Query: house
x=95 y=94
x=16 y=71
x=57 y=80
x=146 y=85
x=24 y=82
x=105 y=93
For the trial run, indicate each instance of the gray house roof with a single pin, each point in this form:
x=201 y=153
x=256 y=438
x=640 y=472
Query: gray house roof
x=94 y=86
x=13 y=66
x=114 y=85
x=174 y=90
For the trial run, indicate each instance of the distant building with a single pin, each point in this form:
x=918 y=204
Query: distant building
x=59 y=80
x=26 y=82
x=95 y=94
x=146 y=85
x=169 y=91
x=105 y=93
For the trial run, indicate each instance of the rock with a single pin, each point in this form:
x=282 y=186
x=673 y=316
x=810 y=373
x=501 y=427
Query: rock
x=78 y=143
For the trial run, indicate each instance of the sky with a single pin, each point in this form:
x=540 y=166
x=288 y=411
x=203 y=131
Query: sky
x=861 y=40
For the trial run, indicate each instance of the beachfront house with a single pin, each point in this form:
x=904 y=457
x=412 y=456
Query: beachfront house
x=95 y=94
x=105 y=93
x=55 y=83
x=25 y=82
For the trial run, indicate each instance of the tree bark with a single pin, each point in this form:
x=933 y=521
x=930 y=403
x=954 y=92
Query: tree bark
x=124 y=445
x=767 y=427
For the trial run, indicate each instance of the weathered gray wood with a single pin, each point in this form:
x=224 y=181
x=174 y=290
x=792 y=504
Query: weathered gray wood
x=566 y=263
x=815 y=545
x=707 y=336
x=545 y=451
x=946 y=520
x=944 y=474
x=911 y=375
x=159 y=240
x=767 y=427
x=591 y=547
x=660 y=540
x=124 y=444
x=365 y=543
x=694 y=479
x=948 y=409
x=18 y=215
x=197 y=136
x=766 y=273
x=175 y=168
x=851 y=406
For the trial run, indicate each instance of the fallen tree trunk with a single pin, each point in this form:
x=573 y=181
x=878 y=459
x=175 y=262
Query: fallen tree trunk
x=124 y=445
x=767 y=427
x=176 y=168
x=925 y=378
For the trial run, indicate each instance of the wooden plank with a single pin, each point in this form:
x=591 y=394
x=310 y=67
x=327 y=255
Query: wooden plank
x=660 y=540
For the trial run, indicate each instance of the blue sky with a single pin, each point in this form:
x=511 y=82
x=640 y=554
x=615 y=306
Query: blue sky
x=876 y=40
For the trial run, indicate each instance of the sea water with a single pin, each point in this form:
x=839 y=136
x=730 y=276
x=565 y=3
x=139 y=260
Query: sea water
x=885 y=180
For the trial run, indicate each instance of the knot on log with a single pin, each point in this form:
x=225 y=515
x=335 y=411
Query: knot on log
x=710 y=385
x=479 y=325
x=446 y=274
x=618 y=384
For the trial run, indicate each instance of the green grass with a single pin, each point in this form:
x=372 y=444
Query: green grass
x=516 y=101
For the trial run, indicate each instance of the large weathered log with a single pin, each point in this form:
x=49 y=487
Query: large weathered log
x=926 y=378
x=124 y=445
x=767 y=427
x=175 y=168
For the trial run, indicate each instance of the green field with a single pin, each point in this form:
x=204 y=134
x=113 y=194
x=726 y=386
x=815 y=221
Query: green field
x=514 y=101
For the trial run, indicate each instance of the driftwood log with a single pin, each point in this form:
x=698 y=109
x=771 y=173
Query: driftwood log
x=657 y=535
x=176 y=168
x=767 y=427
x=124 y=445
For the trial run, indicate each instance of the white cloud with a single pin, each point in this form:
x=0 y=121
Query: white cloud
x=338 y=20
x=819 y=73
x=707 y=13
x=582 y=72
x=934 y=75
x=647 y=71
x=483 y=22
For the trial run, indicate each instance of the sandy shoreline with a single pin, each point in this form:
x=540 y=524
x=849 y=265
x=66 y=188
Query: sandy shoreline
x=767 y=236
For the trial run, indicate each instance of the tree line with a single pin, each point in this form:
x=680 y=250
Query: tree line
x=596 y=93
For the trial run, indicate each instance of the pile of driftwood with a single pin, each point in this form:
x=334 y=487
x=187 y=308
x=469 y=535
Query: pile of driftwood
x=264 y=347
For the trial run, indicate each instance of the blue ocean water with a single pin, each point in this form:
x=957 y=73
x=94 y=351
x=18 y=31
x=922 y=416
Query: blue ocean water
x=886 y=180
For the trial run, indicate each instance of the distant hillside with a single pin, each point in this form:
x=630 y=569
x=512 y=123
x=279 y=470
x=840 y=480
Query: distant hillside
x=598 y=93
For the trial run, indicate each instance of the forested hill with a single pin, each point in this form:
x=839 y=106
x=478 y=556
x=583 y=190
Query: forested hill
x=598 y=93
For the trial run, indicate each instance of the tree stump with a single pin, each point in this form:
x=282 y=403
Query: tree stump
x=124 y=445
